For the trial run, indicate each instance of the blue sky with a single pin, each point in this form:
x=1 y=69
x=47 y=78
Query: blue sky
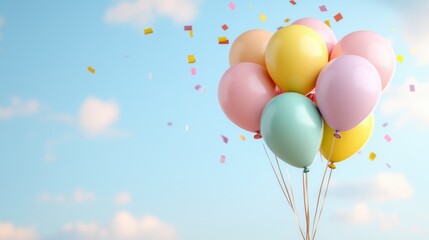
x=93 y=156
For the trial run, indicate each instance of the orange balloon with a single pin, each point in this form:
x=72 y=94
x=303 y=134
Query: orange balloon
x=250 y=47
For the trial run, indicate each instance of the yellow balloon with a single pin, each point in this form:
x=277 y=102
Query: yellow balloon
x=250 y=47
x=351 y=141
x=295 y=55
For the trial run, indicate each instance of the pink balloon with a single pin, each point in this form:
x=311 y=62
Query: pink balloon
x=319 y=26
x=347 y=90
x=244 y=90
x=371 y=46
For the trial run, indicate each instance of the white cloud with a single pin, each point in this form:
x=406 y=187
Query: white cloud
x=409 y=106
x=123 y=226
x=383 y=187
x=361 y=214
x=9 y=231
x=97 y=116
x=142 y=12
x=81 y=196
x=20 y=107
x=123 y=198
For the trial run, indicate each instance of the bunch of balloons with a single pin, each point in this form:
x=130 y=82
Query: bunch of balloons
x=301 y=90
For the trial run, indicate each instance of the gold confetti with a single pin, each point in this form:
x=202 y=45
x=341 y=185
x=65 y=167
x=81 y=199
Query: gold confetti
x=91 y=69
x=263 y=17
x=372 y=156
x=148 y=31
x=242 y=137
x=400 y=58
x=328 y=23
x=191 y=59
x=287 y=20
x=191 y=33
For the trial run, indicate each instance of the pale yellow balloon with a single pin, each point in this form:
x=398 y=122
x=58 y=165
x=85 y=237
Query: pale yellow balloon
x=250 y=47
x=351 y=141
x=294 y=57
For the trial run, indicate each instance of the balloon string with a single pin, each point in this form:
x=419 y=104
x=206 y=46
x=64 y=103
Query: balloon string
x=292 y=199
x=321 y=186
x=306 y=205
x=323 y=203
x=284 y=192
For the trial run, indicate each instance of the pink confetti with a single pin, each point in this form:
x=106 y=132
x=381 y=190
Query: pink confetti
x=323 y=8
x=222 y=159
x=385 y=124
x=188 y=28
x=225 y=27
x=231 y=6
x=412 y=88
x=292 y=2
x=388 y=138
x=197 y=87
x=193 y=71
x=225 y=139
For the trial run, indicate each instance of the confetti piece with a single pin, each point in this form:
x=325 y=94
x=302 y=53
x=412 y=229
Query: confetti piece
x=388 y=138
x=188 y=28
x=292 y=2
x=328 y=23
x=287 y=20
x=148 y=31
x=388 y=165
x=149 y=76
x=191 y=33
x=231 y=6
x=242 y=137
x=385 y=124
x=193 y=71
x=203 y=90
x=262 y=17
x=225 y=27
x=372 y=156
x=223 y=40
x=412 y=88
x=323 y=8
x=400 y=58
x=222 y=159
x=191 y=59
x=224 y=139
x=197 y=87
x=338 y=17
x=170 y=124
x=91 y=69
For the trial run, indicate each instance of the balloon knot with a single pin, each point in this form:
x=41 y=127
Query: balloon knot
x=332 y=166
x=258 y=135
x=306 y=170
x=337 y=134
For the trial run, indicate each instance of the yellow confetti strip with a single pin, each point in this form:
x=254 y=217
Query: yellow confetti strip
x=191 y=33
x=91 y=69
x=191 y=59
x=400 y=58
x=287 y=20
x=148 y=31
x=242 y=137
x=222 y=39
x=372 y=156
x=263 y=17
x=328 y=23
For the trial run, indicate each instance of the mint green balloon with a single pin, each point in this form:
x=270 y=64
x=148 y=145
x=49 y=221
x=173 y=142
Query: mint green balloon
x=292 y=128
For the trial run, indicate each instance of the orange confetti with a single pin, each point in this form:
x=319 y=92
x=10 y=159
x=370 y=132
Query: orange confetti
x=338 y=17
x=191 y=59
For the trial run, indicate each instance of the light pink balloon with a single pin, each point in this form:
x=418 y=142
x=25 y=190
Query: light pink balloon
x=320 y=27
x=244 y=90
x=347 y=91
x=371 y=46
